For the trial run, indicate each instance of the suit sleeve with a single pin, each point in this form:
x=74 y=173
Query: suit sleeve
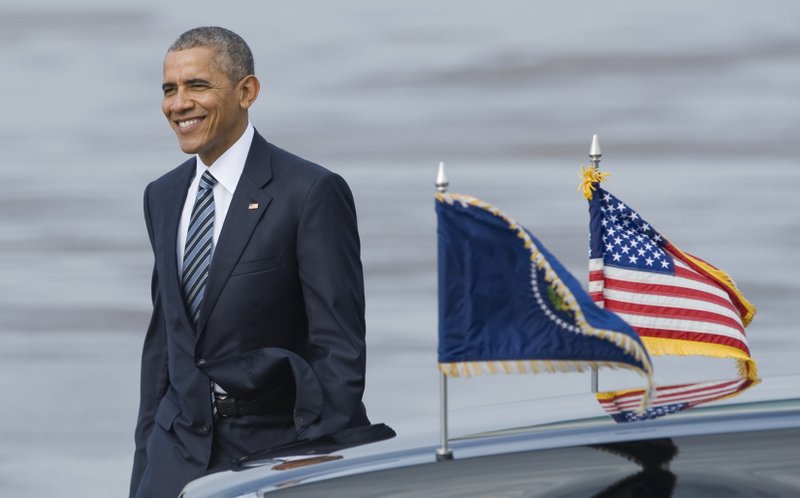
x=154 y=376
x=329 y=260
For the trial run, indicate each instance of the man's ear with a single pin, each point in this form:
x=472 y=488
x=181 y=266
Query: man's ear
x=249 y=87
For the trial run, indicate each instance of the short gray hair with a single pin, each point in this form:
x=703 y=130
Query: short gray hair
x=233 y=55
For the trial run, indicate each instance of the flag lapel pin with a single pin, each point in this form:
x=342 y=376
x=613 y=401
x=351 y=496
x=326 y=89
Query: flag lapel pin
x=252 y=205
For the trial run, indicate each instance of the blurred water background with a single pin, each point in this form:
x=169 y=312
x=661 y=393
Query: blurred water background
x=696 y=105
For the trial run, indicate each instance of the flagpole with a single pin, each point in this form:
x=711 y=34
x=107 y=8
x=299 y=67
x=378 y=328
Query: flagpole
x=443 y=452
x=594 y=158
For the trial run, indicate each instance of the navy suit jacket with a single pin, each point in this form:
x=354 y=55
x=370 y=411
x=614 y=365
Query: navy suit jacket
x=284 y=304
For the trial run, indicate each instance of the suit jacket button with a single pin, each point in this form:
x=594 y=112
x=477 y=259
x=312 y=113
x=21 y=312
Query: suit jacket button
x=200 y=362
x=206 y=427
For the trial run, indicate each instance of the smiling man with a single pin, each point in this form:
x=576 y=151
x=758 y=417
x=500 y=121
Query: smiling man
x=257 y=332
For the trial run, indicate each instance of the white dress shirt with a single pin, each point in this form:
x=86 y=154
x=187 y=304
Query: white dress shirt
x=227 y=169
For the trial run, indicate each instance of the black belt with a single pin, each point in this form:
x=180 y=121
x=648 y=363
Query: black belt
x=228 y=406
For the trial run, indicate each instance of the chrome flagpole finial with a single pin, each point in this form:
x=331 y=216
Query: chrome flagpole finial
x=441 y=179
x=595 y=153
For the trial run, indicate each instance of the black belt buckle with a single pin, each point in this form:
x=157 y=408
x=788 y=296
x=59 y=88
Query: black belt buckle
x=227 y=406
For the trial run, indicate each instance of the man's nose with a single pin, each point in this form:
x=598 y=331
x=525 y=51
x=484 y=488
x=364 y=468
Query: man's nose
x=180 y=101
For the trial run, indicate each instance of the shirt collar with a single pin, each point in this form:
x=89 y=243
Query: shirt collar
x=227 y=169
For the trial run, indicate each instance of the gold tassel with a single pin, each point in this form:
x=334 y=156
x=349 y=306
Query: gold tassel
x=589 y=177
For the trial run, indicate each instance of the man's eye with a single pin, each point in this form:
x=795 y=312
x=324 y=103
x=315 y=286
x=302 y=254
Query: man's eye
x=169 y=91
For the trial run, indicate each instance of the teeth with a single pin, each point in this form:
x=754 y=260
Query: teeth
x=184 y=124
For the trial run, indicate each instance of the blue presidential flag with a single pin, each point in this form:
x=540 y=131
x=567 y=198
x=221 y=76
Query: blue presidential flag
x=507 y=305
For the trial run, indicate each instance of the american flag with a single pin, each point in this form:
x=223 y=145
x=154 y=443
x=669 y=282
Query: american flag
x=622 y=405
x=677 y=303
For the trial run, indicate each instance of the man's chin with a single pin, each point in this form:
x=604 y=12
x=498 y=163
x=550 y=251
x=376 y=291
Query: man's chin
x=188 y=147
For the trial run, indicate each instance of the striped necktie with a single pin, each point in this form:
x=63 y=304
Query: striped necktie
x=199 y=245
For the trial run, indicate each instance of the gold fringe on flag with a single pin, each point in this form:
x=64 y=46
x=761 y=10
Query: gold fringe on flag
x=659 y=346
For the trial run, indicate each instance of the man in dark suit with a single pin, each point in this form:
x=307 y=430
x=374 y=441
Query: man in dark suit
x=257 y=332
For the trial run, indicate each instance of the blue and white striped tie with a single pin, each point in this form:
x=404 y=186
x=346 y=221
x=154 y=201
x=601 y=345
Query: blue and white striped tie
x=199 y=245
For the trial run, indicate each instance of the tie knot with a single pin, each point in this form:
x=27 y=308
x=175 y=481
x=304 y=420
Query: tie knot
x=207 y=181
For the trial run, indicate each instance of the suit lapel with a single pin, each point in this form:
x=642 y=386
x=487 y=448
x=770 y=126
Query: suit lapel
x=173 y=208
x=166 y=219
x=247 y=207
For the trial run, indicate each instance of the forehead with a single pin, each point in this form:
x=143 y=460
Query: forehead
x=192 y=63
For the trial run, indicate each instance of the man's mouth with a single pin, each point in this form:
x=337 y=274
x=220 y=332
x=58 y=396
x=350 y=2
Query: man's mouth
x=188 y=122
